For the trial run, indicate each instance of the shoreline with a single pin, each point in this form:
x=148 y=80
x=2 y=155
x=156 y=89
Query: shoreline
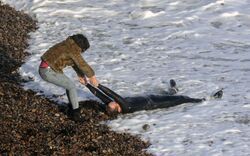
x=32 y=124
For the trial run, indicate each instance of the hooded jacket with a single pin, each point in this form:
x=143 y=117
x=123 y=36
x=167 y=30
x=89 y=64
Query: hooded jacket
x=67 y=53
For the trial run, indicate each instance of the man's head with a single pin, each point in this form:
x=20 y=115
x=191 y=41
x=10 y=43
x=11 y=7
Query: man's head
x=113 y=108
x=81 y=41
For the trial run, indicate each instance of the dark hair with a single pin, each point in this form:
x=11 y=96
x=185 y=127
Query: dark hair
x=81 y=41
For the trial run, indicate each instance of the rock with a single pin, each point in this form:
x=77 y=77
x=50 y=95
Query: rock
x=57 y=114
x=145 y=127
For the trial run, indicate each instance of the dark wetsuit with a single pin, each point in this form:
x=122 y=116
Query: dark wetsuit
x=133 y=104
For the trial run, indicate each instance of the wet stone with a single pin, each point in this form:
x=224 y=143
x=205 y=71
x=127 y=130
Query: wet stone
x=145 y=127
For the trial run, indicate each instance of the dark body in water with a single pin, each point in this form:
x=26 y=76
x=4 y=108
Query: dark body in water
x=138 y=103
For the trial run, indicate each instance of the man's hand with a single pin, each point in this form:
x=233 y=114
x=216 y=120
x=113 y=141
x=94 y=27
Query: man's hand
x=94 y=81
x=83 y=80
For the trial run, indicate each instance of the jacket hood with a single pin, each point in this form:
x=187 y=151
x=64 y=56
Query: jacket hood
x=81 y=41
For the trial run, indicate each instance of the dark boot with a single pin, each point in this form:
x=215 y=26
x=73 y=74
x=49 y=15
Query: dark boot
x=173 y=88
x=217 y=94
x=75 y=115
x=172 y=83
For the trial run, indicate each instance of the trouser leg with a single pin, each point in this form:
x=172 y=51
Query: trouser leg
x=63 y=81
x=72 y=96
x=170 y=101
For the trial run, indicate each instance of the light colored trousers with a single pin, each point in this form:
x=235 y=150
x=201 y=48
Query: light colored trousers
x=63 y=81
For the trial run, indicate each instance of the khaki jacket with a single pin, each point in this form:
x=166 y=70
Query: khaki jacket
x=67 y=53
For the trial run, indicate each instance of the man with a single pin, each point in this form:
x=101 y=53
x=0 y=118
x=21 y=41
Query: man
x=68 y=53
x=114 y=103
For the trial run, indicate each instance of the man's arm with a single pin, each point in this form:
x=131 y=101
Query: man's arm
x=111 y=106
x=120 y=100
x=105 y=99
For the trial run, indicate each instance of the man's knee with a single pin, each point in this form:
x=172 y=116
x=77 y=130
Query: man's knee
x=69 y=85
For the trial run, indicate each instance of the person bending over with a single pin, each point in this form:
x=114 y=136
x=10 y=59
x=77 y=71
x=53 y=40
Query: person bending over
x=68 y=53
x=114 y=103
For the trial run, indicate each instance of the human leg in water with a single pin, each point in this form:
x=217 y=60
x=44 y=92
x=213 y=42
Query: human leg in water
x=151 y=102
x=159 y=101
x=173 y=89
